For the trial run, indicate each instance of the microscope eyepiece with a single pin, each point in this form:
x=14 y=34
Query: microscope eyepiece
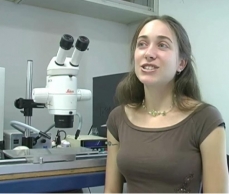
x=66 y=42
x=82 y=43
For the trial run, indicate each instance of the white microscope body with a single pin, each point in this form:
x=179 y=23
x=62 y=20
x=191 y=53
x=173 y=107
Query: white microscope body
x=61 y=94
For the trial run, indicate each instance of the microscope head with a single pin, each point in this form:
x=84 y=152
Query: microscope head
x=61 y=94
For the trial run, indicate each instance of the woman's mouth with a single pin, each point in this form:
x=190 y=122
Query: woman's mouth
x=149 y=68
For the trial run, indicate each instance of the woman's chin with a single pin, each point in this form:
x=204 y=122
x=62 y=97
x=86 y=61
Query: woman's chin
x=149 y=82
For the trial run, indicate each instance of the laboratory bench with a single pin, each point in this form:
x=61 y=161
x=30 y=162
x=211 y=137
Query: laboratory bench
x=49 y=173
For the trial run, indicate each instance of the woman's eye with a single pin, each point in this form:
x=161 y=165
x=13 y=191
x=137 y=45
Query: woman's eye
x=141 y=44
x=163 y=45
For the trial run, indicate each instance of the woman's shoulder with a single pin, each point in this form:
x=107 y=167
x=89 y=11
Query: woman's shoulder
x=200 y=111
x=192 y=106
x=116 y=112
x=206 y=111
x=117 y=109
x=206 y=118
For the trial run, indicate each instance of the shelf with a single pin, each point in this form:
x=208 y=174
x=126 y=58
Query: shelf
x=112 y=10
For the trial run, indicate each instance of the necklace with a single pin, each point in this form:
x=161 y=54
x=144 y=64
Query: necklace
x=155 y=113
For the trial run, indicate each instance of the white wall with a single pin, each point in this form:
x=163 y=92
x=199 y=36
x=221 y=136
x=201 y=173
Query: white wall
x=2 y=97
x=34 y=33
x=206 y=22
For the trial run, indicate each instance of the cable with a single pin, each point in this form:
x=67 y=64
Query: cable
x=53 y=125
x=19 y=129
x=79 y=126
x=15 y=123
x=39 y=136
x=58 y=137
x=80 y=120
x=90 y=130
x=63 y=132
x=77 y=133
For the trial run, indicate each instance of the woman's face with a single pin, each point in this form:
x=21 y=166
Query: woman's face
x=156 y=55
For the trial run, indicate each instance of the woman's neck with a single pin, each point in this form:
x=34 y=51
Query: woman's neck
x=158 y=99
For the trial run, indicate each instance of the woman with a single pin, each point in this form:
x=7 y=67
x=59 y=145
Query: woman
x=162 y=137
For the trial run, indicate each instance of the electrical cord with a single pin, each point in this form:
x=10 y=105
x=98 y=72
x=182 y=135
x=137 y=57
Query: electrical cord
x=46 y=131
x=65 y=134
x=19 y=129
x=53 y=125
x=15 y=124
x=90 y=130
x=58 y=137
x=79 y=126
x=58 y=141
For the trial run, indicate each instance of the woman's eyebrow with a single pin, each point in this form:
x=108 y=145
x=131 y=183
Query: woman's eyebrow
x=165 y=37
x=160 y=37
x=143 y=36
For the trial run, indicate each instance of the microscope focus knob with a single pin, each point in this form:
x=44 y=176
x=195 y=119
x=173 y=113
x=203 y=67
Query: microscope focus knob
x=19 y=103
x=43 y=141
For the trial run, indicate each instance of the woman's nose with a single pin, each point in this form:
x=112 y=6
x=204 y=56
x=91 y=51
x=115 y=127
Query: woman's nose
x=150 y=54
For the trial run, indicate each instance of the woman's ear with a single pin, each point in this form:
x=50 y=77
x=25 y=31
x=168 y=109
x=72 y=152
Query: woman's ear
x=182 y=65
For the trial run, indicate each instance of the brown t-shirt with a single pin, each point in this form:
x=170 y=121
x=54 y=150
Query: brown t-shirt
x=164 y=160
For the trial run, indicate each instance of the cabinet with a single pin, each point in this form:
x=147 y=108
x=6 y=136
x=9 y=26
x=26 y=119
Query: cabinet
x=122 y=11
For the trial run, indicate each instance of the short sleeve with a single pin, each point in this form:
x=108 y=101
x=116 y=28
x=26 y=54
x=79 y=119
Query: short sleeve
x=206 y=121
x=112 y=122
